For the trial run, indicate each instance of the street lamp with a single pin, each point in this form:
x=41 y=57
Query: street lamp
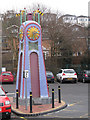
x=0 y=43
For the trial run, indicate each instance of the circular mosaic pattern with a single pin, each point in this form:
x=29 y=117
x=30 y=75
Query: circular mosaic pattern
x=33 y=33
x=21 y=34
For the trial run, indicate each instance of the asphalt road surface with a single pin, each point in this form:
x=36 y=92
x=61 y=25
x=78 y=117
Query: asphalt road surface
x=74 y=94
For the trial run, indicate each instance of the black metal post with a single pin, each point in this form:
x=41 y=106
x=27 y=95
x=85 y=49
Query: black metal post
x=52 y=98
x=48 y=86
x=16 y=99
x=30 y=102
x=59 y=94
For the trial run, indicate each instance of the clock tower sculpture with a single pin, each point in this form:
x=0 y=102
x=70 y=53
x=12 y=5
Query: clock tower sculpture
x=31 y=61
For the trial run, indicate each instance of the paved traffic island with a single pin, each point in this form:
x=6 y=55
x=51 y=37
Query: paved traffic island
x=37 y=109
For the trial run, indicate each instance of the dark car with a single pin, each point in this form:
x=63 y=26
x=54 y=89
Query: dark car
x=84 y=76
x=50 y=76
x=80 y=76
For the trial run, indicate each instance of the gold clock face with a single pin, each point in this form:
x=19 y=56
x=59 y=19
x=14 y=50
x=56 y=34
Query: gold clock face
x=33 y=33
x=21 y=34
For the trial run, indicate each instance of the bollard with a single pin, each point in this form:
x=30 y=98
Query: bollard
x=30 y=102
x=59 y=94
x=16 y=99
x=52 y=98
x=48 y=86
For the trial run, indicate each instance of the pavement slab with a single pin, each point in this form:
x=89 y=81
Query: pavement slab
x=37 y=109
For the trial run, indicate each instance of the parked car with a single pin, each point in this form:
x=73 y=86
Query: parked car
x=67 y=75
x=86 y=76
x=6 y=77
x=5 y=106
x=80 y=76
x=50 y=76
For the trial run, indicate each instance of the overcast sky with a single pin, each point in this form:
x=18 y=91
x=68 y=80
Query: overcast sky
x=74 y=7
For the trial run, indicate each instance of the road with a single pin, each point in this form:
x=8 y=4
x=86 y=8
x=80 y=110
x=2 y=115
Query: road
x=75 y=95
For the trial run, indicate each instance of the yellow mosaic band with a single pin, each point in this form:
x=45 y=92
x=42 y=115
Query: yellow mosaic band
x=37 y=11
x=18 y=14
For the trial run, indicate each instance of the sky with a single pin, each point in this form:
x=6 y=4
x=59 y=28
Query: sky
x=73 y=7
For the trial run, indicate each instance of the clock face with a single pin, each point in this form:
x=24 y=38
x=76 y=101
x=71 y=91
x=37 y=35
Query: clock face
x=21 y=34
x=33 y=33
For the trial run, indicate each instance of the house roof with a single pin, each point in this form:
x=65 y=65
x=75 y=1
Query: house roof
x=82 y=16
x=69 y=15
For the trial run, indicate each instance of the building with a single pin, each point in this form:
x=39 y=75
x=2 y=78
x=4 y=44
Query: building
x=83 y=20
x=73 y=19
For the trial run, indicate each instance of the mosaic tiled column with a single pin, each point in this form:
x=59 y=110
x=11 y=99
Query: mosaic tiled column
x=31 y=59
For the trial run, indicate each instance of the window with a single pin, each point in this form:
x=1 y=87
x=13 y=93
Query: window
x=82 y=19
x=60 y=71
x=76 y=29
x=33 y=46
x=74 y=18
x=1 y=92
x=67 y=18
x=5 y=73
x=49 y=73
x=69 y=71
